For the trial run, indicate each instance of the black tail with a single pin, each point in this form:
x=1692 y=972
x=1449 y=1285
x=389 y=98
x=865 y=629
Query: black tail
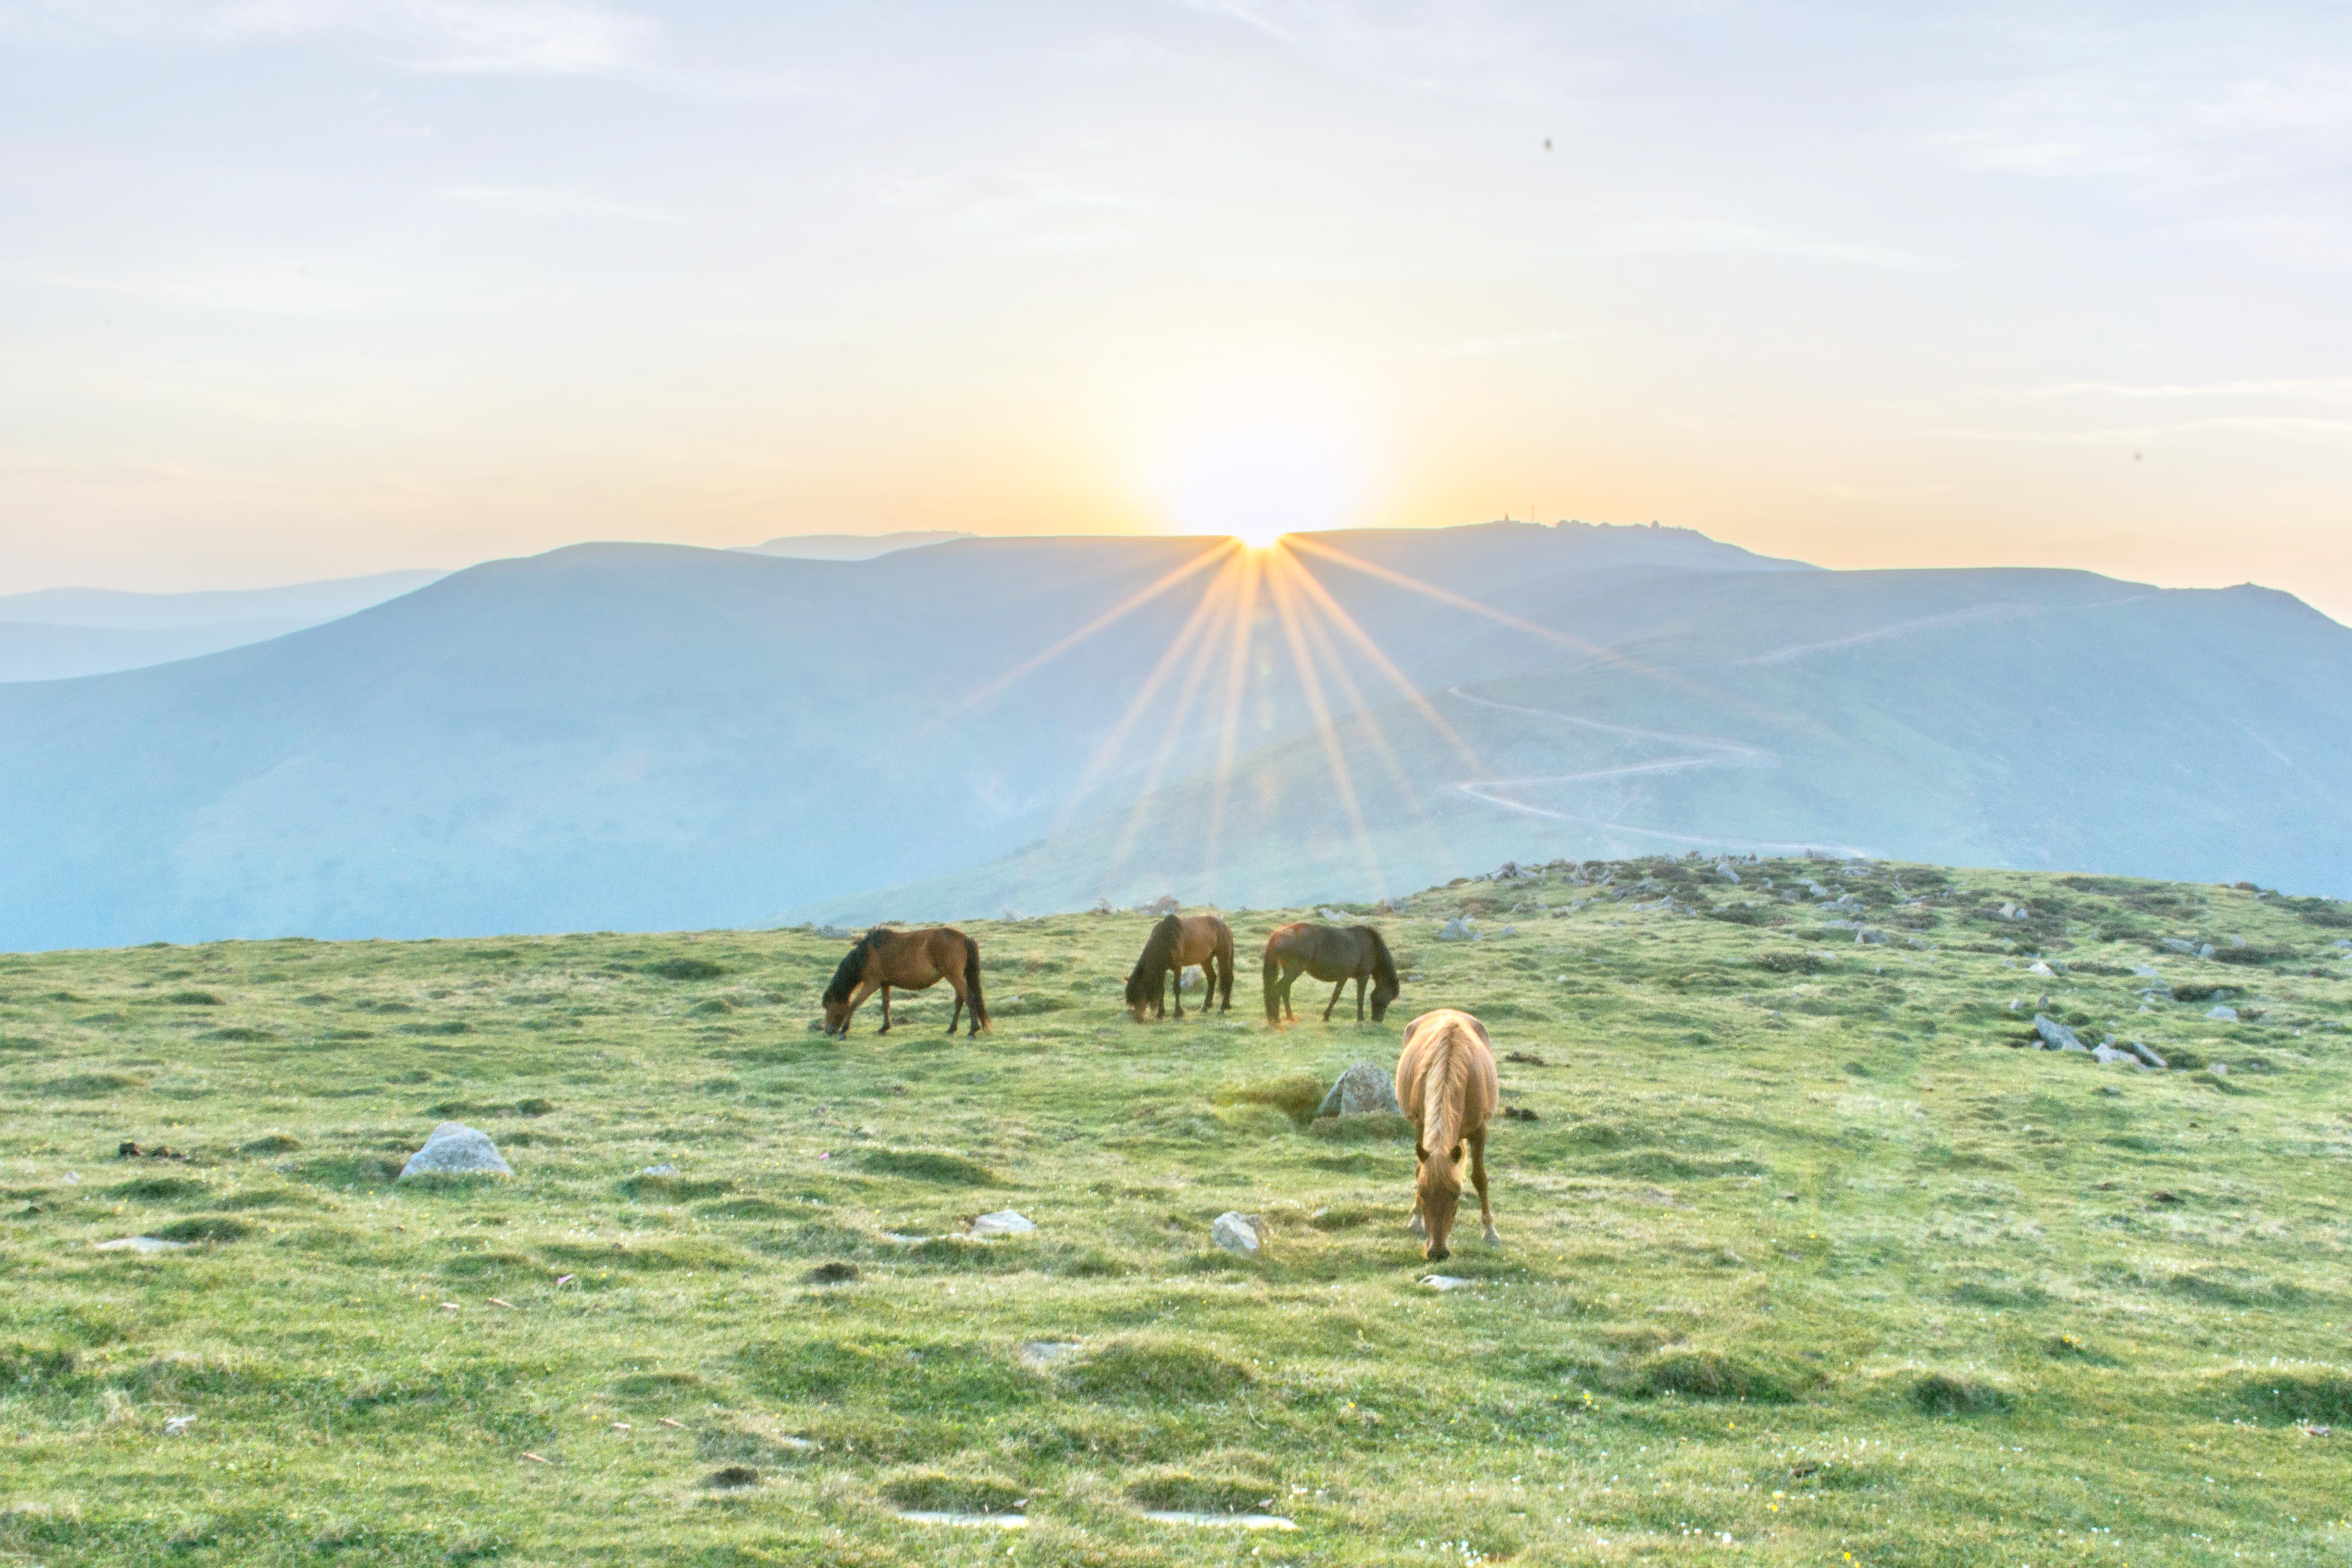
x=972 y=985
x=1225 y=962
x=1273 y=972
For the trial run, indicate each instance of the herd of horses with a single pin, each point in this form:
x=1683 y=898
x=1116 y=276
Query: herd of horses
x=1445 y=1070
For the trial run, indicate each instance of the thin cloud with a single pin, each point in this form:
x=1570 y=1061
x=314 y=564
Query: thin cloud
x=528 y=38
x=1705 y=236
x=2293 y=386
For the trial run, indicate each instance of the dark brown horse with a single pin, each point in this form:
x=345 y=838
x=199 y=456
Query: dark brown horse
x=913 y=960
x=1336 y=953
x=1445 y=1081
x=1174 y=944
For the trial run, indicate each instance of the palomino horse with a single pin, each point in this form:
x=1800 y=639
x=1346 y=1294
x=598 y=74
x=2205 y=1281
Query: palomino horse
x=1174 y=944
x=1445 y=1081
x=1328 y=952
x=914 y=960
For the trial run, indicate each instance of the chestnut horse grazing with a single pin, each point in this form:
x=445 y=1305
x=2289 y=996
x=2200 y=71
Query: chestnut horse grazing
x=1328 y=952
x=914 y=960
x=1173 y=945
x=1445 y=1081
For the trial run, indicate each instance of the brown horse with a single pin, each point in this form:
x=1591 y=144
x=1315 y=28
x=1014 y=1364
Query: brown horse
x=1174 y=944
x=1328 y=952
x=914 y=960
x=1445 y=1081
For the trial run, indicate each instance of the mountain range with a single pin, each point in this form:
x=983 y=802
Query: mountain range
x=627 y=736
x=53 y=633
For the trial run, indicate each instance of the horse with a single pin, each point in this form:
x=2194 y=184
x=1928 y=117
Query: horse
x=1328 y=952
x=915 y=960
x=1175 y=942
x=1445 y=1081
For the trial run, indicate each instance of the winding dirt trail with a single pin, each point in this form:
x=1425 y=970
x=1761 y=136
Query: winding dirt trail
x=1703 y=751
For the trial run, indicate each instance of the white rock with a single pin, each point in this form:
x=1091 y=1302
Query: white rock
x=1458 y=930
x=2038 y=967
x=2056 y=1035
x=175 y=1426
x=664 y=1169
x=2109 y=1054
x=1242 y=1233
x=1045 y=1353
x=2220 y=1069
x=457 y=1150
x=1003 y=1222
x=140 y=1243
x=1447 y=1283
x=1361 y=1089
x=2146 y=1055
x=2222 y=1014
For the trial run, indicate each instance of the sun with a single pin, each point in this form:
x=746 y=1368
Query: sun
x=1257 y=482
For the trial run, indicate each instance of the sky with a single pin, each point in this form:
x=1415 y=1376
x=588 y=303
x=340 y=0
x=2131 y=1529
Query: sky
x=296 y=288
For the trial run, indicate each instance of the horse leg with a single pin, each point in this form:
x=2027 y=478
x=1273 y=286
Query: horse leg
x=1335 y=1000
x=1415 y=1225
x=886 y=1009
x=955 y=983
x=856 y=999
x=1477 y=1142
x=1360 y=998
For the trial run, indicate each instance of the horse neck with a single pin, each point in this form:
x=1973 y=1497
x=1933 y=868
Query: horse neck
x=1444 y=1090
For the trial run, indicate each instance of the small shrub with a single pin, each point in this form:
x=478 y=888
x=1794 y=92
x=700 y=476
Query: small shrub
x=1152 y=1371
x=934 y=1491
x=271 y=1143
x=684 y=969
x=193 y=999
x=1296 y=1096
x=1948 y=1394
x=1789 y=963
x=206 y=1227
x=2314 y=1395
x=1371 y=1127
x=1709 y=1375
x=160 y=1189
x=1182 y=1491
x=927 y=1165
x=87 y=1086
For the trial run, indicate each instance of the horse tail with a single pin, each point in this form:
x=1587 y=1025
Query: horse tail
x=1273 y=973
x=1225 y=960
x=971 y=982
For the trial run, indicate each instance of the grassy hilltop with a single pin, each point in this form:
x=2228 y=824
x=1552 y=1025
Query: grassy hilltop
x=1805 y=1261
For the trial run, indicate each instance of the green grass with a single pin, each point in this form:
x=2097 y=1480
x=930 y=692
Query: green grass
x=1801 y=1249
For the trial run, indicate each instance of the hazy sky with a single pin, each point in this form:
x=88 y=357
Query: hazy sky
x=300 y=288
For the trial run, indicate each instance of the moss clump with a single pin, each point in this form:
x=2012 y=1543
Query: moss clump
x=1953 y=1394
x=927 y=1165
x=1154 y=1370
x=1710 y=1374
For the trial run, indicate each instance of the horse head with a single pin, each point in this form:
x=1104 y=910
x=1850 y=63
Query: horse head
x=1138 y=1000
x=1386 y=987
x=1439 y=1185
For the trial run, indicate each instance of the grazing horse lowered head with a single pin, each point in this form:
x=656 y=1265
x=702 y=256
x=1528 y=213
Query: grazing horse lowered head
x=912 y=960
x=1174 y=944
x=1445 y=1081
x=1336 y=953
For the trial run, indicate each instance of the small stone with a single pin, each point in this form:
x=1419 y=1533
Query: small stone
x=1363 y=1089
x=2178 y=945
x=457 y=1150
x=2146 y=1054
x=2146 y=971
x=140 y=1243
x=1242 y=1233
x=1045 y=1353
x=1458 y=930
x=664 y=1169
x=2220 y=1069
x=2105 y=1054
x=1003 y=1222
x=2038 y=967
x=2222 y=1014
x=1447 y=1283
x=177 y=1426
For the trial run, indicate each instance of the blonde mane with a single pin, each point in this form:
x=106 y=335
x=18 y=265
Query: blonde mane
x=1444 y=1090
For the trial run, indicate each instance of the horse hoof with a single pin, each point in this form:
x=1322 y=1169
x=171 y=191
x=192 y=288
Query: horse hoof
x=1416 y=1226
x=1491 y=1239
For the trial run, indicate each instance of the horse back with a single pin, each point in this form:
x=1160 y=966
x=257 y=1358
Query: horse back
x=1429 y=1041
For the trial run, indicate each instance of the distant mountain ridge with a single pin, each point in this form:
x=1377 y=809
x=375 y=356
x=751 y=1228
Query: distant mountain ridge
x=846 y=546
x=54 y=633
x=622 y=736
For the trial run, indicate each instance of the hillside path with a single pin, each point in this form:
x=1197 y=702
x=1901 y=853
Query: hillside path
x=1706 y=752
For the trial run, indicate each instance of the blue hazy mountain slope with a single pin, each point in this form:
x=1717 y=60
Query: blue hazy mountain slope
x=640 y=737
x=37 y=652
x=2030 y=719
x=123 y=611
